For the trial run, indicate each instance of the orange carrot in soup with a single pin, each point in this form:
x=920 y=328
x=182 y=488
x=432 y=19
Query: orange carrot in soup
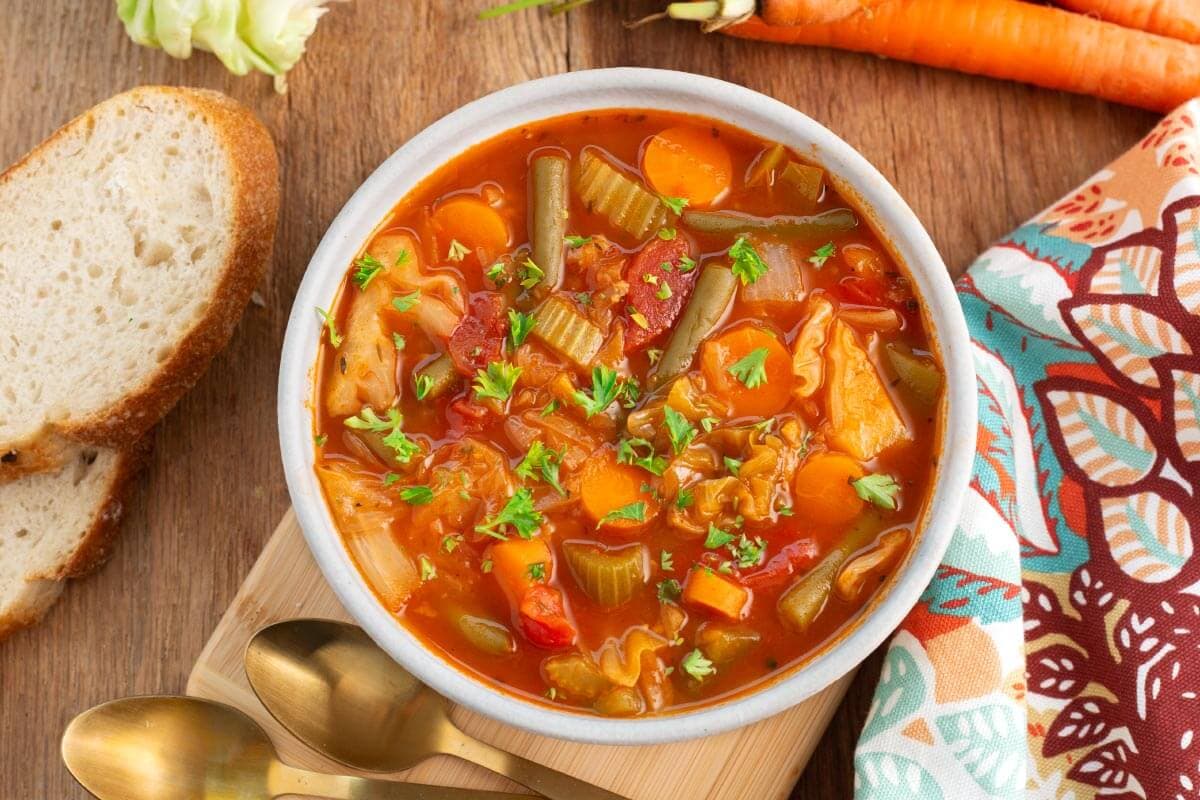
x=1013 y=40
x=513 y=565
x=466 y=225
x=750 y=369
x=709 y=590
x=804 y=12
x=612 y=496
x=1178 y=19
x=688 y=162
x=822 y=494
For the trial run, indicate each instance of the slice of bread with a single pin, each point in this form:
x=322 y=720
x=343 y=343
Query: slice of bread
x=58 y=525
x=130 y=241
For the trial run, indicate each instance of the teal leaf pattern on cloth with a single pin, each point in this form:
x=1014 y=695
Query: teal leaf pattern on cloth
x=990 y=744
x=884 y=776
x=900 y=692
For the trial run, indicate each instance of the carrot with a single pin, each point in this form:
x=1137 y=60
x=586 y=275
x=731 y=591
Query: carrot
x=804 y=12
x=610 y=492
x=511 y=561
x=822 y=494
x=1013 y=40
x=750 y=369
x=473 y=224
x=1178 y=19
x=688 y=162
x=709 y=590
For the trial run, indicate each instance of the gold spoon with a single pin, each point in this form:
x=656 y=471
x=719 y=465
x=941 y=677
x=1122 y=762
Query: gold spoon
x=343 y=696
x=183 y=748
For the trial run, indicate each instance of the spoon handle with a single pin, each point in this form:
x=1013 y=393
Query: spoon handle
x=543 y=780
x=285 y=780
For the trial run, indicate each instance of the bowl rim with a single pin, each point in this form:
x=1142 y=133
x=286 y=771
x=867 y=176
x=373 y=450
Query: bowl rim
x=625 y=87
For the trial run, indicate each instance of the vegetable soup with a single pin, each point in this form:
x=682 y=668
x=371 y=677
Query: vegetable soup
x=626 y=411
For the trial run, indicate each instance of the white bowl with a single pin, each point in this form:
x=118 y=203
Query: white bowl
x=892 y=219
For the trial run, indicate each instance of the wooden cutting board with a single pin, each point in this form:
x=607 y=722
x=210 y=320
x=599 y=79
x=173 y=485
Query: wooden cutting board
x=760 y=762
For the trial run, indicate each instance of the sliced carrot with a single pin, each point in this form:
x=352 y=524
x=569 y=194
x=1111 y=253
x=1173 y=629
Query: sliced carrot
x=1057 y=49
x=709 y=590
x=473 y=224
x=688 y=162
x=822 y=494
x=511 y=561
x=738 y=349
x=608 y=488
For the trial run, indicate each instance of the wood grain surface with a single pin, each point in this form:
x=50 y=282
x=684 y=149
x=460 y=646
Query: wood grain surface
x=973 y=157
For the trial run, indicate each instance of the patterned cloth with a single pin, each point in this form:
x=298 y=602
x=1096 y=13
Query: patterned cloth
x=1056 y=654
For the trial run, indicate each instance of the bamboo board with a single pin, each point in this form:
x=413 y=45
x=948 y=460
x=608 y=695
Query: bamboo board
x=759 y=762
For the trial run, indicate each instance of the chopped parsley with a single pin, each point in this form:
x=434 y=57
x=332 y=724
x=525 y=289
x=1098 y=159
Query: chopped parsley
x=751 y=369
x=543 y=460
x=676 y=204
x=451 y=541
x=531 y=274
x=406 y=301
x=696 y=665
x=536 y=571
x=629 y=451
x=747 y=264
x=428 y=570
x=519 y=326
x=748 y=552
x=684 y=499
x=550 y=407
x=635 y=512
x=394 y=438
x=497 y=382
x=669 y=590
x=679 y=429
x=398 y=341
x=604 y=391
x=321 y=439
x=458 y=250
x=666 y=234
x=518 y=513
x=650 y=278
x=367 y=268
x=486 y=566
x=717 y=538
x=417 y=495
x=335 y=338
x=686 y=264
x=576 y=241
x=785 y=511
x=664 y=291
x=665 y=561
x=733 y=465
x=822 y=254
x=878 y=489
x=583 y=298
x=666 y=266
x=638 y=318
x=654 y=354
x=423 y=383
x=708 y=423
x=495 y=273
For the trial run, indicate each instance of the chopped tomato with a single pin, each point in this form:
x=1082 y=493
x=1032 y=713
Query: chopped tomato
x=658 y=307
x=792 y=559
x=479 y=338
x=544 y=619
x=465 y=415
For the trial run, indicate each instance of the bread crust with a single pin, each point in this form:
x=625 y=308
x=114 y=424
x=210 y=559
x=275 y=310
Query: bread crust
x=93 y=549
x=254 y=193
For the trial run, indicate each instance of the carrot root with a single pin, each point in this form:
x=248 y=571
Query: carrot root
x=1177 y=19
x=1013 y=40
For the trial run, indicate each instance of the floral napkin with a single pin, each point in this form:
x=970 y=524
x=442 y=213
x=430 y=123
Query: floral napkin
x=1056 y=654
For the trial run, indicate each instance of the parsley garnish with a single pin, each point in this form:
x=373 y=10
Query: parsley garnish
x=485 y=566
x=428 y=570
x=519 y=326
x=495 y=274
x=321 y=440
x=550 y=408
x=679 y=429
x=747 y=265
x=518 y=513
x=879 y=489
x=536 y=571
x=708 y=423
x=451 y=541
x=423 y=383
x=583 y=298
x=576 y=241
x=634 y=511
x=654 y=354
x=664 y=291
x=751 y=369
x=335 y=338
x=749 y=552
x=628 y=453
x=669 y=590
x=684 y=499
x=785 y=511
x=406 y=301
x=497 y=382
x=733 y=465
x=368 y=267
x=368 y=420
x=638 y=318
x=686 y=264
x=696 y=665
x=458 y=250
x=398 y=341
x=531 y=274
x=665 y=561
x=604 y=391
x=676 y=204
x=666 y=234
x=717 y=538
x=822 y=254
x=417 y=495
x=543 y=460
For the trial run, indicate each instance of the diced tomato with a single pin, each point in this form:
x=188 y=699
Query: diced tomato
x=465 y=415
x=479 y=338
x=660 y=307
x=790 y=560
x=544 y=619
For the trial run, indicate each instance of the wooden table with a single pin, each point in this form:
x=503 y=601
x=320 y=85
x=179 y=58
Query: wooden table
x=973 y=157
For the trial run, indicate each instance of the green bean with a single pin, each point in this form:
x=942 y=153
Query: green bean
x=802 y=602
x=486 y=635
x=920 y=375
x=609 y=577
x=548 y=215
x=714 y=290
x=815 y=228
x=439 y=374
x=724 y=644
